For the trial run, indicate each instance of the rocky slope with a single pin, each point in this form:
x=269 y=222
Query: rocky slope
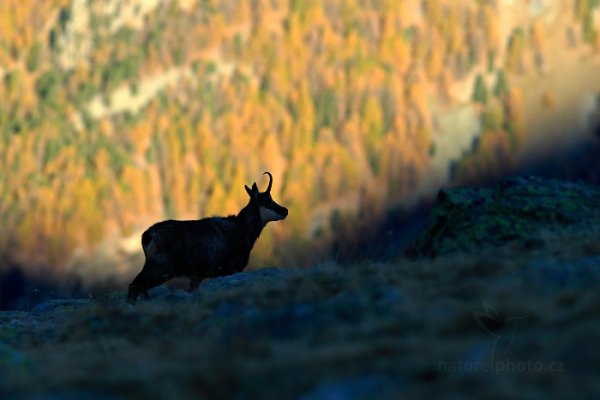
x=517 y=209
x=518 y=317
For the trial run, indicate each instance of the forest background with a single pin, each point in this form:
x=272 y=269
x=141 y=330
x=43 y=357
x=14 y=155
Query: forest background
x=118 y=114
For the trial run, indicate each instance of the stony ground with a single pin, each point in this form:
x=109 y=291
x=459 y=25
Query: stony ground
x=519 y=319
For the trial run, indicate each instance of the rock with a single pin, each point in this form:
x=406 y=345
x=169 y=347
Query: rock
x=518 y=208
x=51 y=305
x=263 y=277
x=169 y=295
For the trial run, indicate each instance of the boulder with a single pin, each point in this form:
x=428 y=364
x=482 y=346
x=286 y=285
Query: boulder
x=516 y=209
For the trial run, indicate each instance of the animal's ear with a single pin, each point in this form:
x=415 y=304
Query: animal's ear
x=253 y=193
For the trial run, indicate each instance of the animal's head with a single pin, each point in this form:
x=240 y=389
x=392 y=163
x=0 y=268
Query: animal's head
x=269 y=209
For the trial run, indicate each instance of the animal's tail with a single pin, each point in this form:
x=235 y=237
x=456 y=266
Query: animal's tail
x=148 y=242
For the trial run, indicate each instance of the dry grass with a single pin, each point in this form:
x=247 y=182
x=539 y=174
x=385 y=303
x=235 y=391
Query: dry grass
x=404 y=328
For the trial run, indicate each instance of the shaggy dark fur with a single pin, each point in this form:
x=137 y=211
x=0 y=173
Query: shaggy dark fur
x=204 y=248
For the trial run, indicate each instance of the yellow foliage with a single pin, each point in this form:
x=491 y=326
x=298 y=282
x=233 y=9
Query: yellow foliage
x=87 y=212
x=516 y=115
x=332 y=97
x=141 y=134
x=216 y=201
x=538 y=37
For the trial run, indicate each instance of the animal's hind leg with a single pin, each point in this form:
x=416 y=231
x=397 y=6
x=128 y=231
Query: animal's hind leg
x=152 y=275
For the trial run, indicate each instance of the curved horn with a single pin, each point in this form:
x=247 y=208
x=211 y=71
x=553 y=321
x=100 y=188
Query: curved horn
x=270 y=182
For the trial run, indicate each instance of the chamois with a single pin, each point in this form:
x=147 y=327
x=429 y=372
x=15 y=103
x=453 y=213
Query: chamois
x=204 y=248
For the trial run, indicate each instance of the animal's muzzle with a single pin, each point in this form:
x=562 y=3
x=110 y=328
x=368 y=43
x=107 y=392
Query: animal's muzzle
x=284 y=212
x=281 y=211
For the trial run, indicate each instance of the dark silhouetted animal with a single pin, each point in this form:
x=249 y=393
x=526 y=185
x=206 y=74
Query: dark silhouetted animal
x=204 y=248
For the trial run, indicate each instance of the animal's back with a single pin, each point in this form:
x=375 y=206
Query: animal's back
x=189 y=245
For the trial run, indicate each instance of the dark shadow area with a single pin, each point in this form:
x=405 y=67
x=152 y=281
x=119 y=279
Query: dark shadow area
x=393 y=235
x=20 y=291
x=387 y=239
x=579 y=163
